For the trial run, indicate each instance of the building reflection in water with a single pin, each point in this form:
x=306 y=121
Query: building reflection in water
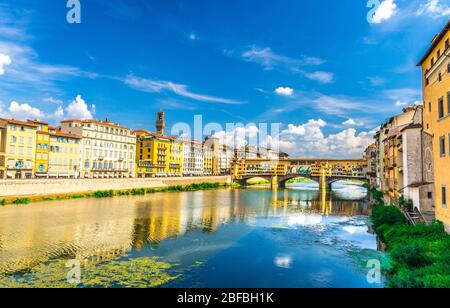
x=98 y=230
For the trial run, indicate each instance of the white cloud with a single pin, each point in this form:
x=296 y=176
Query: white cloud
x=322 y=77
x=238 y=136
x=158 y=86
x=309 y=140
x=79 y=110
x=25 y=73
x=401 y=104
x=284 y=91
x=404 y=96
x=386 y=10
x=302 y=140
x=58 y=114
x=193 y=37
x=51 y=100
x=269 y=60
x=19 y=111
x=4 y=61
x=434 y=8
x=337 y=105
x=349 y=122
x=377 y=81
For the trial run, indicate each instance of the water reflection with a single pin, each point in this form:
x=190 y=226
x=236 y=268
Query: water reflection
x=180 y=227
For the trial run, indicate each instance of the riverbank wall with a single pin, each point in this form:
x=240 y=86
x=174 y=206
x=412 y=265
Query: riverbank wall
x=44 y=187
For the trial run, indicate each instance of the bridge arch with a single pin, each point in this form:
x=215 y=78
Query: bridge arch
x=347 y=179
x=284 y=180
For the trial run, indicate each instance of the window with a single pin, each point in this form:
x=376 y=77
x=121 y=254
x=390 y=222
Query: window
x=444 y=197
x=427 y=81
x=430 y=195
x=440 y=77
x=429 y=107
x=442 y=146
x=432 y=61
x=438 y=53
x=448 y=68
x=447 y=44
x=441 y=107
x=448 y=102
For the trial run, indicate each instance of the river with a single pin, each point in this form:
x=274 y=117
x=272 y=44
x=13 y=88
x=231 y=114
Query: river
x=295 y=237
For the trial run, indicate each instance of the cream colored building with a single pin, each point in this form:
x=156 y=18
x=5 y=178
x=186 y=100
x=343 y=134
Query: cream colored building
x=64 y=155
x=107 y=151
x=226 y=158
x=193 y=163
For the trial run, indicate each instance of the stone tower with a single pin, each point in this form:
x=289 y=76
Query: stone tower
x=160 y=123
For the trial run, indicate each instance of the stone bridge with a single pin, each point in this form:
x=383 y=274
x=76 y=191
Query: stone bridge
x=278 y=172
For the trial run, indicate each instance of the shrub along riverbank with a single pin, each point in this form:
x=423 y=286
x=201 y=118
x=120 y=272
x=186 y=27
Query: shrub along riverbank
x=112 y=193
x=420 y=254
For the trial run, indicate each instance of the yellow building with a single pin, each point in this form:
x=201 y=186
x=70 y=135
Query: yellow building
x=208 y=161
x=19 y=148
x=2 y=151
x=158 y=155
x=64 y=154
x=42 y=149
x=436 y=119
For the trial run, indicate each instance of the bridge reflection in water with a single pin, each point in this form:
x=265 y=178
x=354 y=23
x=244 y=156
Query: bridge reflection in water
x=325 y=202
x=97 y=230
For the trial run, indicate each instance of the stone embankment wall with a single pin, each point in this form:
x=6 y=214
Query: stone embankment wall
x=43 y=187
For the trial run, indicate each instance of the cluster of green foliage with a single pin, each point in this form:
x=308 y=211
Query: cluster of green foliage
x=134 y=273
x=299 y=180
x=111 y=193
x=138 y=192
x=420 y=254
x=104 y=194
x=377 y=196
x=406 y=204
x=21 y=201
x=145 y=191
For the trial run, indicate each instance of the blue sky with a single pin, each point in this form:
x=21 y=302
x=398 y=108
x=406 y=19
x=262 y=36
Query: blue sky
x=318 y=67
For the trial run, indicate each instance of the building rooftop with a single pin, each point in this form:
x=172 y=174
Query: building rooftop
x=58 y=133
x=98 y=122
x=16 y=122
x=435 y=42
